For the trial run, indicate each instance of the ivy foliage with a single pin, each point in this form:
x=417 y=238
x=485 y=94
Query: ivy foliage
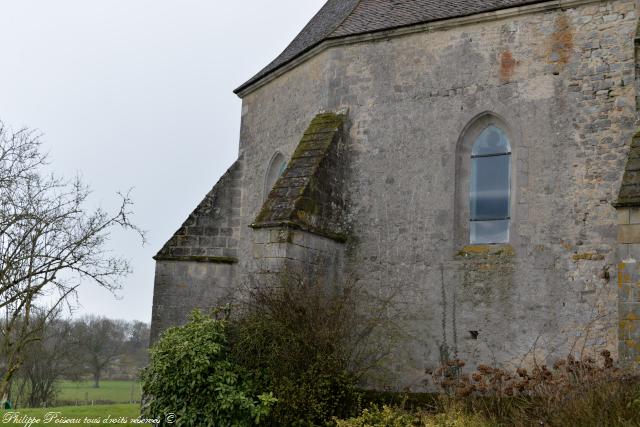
x=191 y=380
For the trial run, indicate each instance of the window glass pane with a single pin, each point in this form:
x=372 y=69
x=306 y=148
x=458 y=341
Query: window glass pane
x=491 y=141
x=483 y=232
x=489 y=190
x=283 y=167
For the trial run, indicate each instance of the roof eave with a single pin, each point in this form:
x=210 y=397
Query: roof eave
x=535 y=6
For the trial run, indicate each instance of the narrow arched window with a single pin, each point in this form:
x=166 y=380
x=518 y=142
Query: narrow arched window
x=276 y=168
x=490 y=191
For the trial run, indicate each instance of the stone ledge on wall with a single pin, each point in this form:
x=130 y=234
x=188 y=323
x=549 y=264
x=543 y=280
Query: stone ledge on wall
x=195 y=258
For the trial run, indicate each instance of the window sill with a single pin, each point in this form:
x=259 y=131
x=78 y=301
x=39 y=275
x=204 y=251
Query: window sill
x=502 y=250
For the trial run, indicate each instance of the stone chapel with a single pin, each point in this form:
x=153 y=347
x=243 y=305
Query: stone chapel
x=481 y=156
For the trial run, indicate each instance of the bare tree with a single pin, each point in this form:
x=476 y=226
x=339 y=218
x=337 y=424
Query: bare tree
x=136 y=354
x=45 y=362
x=50 y=242
x=138 y=336
x=100 y=341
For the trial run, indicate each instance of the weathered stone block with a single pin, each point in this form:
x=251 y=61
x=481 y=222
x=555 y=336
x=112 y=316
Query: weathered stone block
x=257 y=250
x=626 y=292
x=629 y=331
x=230 y=252
x=275 y=250
x=628 y=271
x=629 y=311
x=624 y=216
x=261 y=236
x=629 y=233
x=301 y=253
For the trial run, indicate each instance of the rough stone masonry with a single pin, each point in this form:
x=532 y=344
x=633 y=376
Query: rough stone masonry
x=375 y=108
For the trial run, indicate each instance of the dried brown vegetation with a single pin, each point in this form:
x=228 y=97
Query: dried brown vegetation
x=307 y=342
x=585 y=392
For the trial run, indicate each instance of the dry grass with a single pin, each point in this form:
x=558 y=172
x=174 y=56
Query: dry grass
x=570 y=393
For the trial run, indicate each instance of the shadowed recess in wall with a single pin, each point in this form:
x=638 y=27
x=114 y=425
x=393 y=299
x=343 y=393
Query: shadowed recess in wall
x=309 y=194
x=629 y=195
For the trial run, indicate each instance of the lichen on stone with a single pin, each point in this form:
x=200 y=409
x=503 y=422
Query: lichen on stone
x=588 y=256
x=309 y=194
x=487 y=251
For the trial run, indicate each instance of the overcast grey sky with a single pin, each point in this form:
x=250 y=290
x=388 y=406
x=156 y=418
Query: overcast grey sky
x=138 y=93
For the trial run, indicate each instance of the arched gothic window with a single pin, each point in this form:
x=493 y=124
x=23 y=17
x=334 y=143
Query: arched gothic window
x=490 y=187
x=276 y=168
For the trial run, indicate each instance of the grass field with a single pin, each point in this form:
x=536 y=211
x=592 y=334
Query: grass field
x=73 y=415
x=109 y=391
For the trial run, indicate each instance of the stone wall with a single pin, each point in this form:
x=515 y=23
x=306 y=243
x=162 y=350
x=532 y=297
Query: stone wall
x=301 y=227
x=562 y=80
x=182 y=286
x=197 y=267
x=628 y=272
x=628 y=206
x=282 y=250
x=629 y=285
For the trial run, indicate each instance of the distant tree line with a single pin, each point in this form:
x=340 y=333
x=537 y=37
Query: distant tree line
x=89 y=348
x=51 y=241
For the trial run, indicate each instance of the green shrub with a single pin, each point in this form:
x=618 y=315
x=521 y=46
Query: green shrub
x=376 y=417
x=451 y=416
x=294 y=338
x=190 y=375
x=405 y=399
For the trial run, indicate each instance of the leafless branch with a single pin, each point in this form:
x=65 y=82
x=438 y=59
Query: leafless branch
x=50 y=241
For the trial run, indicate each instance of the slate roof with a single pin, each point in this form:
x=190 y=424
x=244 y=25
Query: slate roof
x=342 y=18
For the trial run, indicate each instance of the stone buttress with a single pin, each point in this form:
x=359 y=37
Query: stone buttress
x=301 y=225
x=628 y=206
x=198 y=266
